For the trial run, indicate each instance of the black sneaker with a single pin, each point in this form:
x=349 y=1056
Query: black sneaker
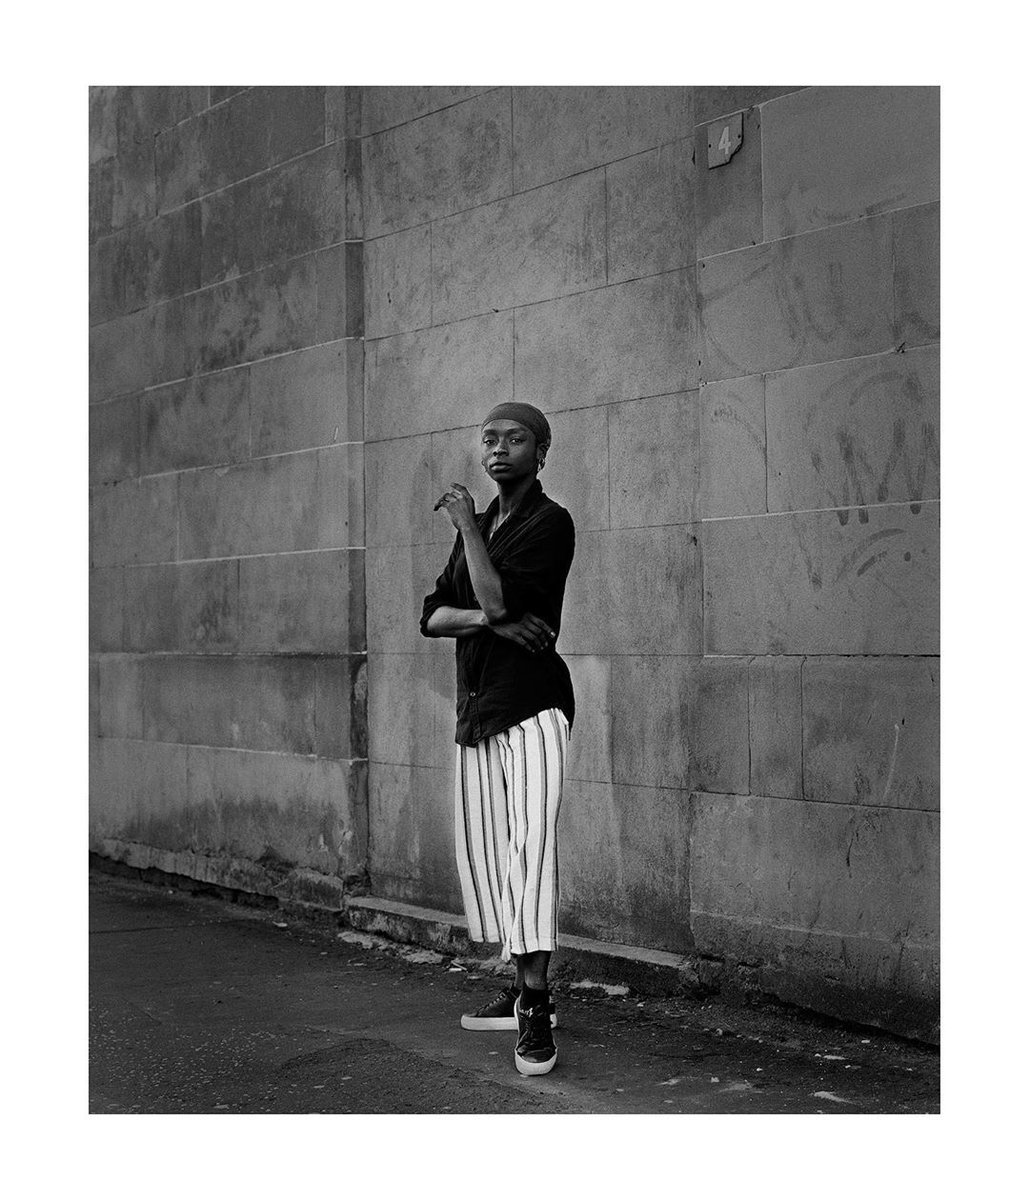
x=499 y=1013
x=535 y=1053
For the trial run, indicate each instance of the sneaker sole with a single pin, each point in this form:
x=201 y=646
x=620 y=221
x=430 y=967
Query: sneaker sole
x=525 y=1067
x=485 y=1024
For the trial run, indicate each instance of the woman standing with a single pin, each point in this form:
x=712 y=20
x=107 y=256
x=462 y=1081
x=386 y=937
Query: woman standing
x=500 y=597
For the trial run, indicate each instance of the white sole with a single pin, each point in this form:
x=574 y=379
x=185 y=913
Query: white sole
x=485 y=1024
x=532 y=1068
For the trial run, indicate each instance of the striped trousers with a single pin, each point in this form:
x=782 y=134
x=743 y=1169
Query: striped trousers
x=507 y=797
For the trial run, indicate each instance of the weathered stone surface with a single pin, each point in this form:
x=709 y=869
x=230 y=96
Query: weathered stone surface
x=399 y=491
x=442 y=163
x=179 y=164
x=718 y=727
x=776 y=734
x=729 y=196
x=536 y=246
x=576 y=471
x=859 y=432
x=118 y=269
x=711 y=102
x=411 y=834
x=257 y=702
x=128 y=778
x=615 y=576
x=916 y=259
x=650 y=703
x=101 y=198
x=199 y=421
x=560 y=131
x=341 y=706
x=591 y=746
x=833 y=154
x=114 y=440
x=650 y=212
x=437 y=378
x=340 y=112
x=134 y=521
x=297 y=603
x=103 y=123
x=106 y=606
x=94 y=697
x=819 y=296
x=179 y=331
x=655 y=460
x=309 y=398
x=411 y=715
x=340 y=309
x=398 y=282
x=398 y=579
x=353 y=223
x=292 y=209
x=120 y=356
x=625 y=864
x=184 y=607
x=837 y=898
x=872 y=731
x=121 y=696
x=311 y=500
x=614 y=343
x=861 y=581
x=134 y=193
x=383 y=107
x=732 y=447
x=457 y=457
x=218 y=94
x=174 y=249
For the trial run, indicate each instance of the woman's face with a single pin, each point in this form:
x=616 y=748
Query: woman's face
x=508 y=450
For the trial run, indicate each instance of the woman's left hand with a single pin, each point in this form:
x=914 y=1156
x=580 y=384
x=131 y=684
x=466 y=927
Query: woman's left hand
x=460 y=505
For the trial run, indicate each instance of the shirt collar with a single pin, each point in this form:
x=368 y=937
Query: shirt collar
x=523 y=507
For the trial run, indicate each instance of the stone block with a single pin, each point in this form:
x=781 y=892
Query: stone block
x=94 y=697
x=106 y=608
x=456 y=456
x=776 y=732
x=655 y=460
x=340 y=114
x=341 y=706
x=408 y=722
x=650 y=712
x=340 y=300
x=733 y=466
x=311 y=500
x=101 y=198
x=179 y=164
x=114 y=440
x=353 y=220
x=811 y=298
x=832 y=895
x=834 y=154
x=119 y=266
x=536 y=246
x=650 y=212
x=399 y=492
x=257 y=702
x=218 y=94
x=859 y=581
x=624 y=854
x=728 y=197
x=560 y=131
x=183 y=607
x=134 y=193
x=103 y=123
x=173 y=253
x=313 y=397
x=292 y=810
x=289 y=210
x=135 y=521
x=383 y=107
x=576 y=472
x=916 y=279
x=128 y=779
x=398 y=578
x=398 y=280
x=591 y=746
x=267 y=312
x=178 y=337
x=196 y=422
x=120 y=356
x=441 y=163
x=711 y=102
x=718 y=727
x=121 y=696
x=872 y=731
x=411 y=835
x=614 y=343
x=858 y=432
x=148 y=109
x=442 y=378
x=302 y=603
x=610 y=595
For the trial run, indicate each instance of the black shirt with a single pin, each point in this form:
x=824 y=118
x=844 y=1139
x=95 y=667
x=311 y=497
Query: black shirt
x=500 y=683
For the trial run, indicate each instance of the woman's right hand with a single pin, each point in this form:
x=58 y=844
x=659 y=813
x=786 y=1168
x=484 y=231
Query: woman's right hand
x=529 y=631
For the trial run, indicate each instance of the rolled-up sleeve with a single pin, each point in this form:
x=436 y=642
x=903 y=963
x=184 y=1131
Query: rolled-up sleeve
x=443 y=592
x=534 y=569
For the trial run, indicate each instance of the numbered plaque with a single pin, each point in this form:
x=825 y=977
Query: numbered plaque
x=724 y=138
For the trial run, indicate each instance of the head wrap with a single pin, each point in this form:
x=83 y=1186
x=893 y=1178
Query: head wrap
x=525 y=414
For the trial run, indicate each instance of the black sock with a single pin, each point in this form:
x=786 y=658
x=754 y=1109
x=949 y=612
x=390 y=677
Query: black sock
x=532 y=996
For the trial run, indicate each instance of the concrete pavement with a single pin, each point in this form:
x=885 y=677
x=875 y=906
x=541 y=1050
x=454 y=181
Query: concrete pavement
x=201 y=1006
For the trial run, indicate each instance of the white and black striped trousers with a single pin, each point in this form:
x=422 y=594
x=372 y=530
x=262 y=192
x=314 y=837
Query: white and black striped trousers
x=507 y=798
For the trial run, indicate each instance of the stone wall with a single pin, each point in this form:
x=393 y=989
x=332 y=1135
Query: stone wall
x=226 y=498
x=741 y=369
